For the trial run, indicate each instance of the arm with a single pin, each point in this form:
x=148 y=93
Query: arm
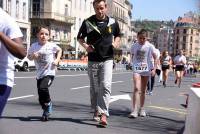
x=87 y=47
x=59 y=54
x=14 y=46
x=116 y=42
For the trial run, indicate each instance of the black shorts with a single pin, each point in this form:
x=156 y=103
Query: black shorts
x=158 y=71
x=165 y=67
x=179 y=68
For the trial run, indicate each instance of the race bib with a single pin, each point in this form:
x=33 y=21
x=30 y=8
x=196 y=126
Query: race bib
x=140 y=67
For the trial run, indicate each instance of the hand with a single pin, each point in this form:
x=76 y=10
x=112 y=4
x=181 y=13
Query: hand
x=55 y=63
x=89 y=49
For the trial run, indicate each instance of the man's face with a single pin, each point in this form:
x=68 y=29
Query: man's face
x=100 y=9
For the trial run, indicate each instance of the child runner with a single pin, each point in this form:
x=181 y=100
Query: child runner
x=43 y=53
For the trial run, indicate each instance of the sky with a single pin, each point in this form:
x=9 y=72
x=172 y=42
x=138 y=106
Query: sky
x=162 y=9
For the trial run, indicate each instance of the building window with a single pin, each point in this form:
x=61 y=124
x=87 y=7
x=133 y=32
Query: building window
x=191 y=39
x=184 y=31
x=191 y=31
x=177 y=31
x=8 y=6
x=184 y=39
x=24 y=10
x=1 y=3
x=36 y=8
x=17 y=8
x=66 y=10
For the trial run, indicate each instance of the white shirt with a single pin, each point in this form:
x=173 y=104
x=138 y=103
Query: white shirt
x=10 y=28
x=180 y=58
x=44 y=64
x=141 y=59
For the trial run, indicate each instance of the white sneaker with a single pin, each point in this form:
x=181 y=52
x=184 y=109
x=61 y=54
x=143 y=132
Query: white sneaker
x=133 y=114
x=142 y=112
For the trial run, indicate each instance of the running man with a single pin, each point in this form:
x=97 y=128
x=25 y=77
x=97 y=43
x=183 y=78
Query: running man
x=180 y=62
x=142 y=52
x=99 y=34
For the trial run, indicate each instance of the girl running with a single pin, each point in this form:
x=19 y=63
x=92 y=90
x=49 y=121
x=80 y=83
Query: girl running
x=141 y=51
x=166 y=62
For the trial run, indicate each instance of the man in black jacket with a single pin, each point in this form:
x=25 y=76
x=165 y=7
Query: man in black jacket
x=103 y=34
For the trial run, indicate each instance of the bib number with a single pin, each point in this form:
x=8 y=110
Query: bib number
x=141 y=67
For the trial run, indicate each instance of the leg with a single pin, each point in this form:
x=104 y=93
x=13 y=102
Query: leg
x=43 y=85
x=4 y=94
x=94 y=84
x=135 y=97
x=105 y=75
x=144 y=80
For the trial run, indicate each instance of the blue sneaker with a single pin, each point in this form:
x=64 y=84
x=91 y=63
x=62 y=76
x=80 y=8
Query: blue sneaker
x=47 y=112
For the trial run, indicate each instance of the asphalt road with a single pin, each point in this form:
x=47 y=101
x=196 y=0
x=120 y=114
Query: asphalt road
x=72 y=113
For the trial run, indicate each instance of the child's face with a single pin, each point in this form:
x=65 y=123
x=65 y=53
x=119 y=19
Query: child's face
x=141 y=39
x=43 y=35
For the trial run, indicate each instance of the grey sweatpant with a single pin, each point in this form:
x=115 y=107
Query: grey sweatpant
x=100 y=75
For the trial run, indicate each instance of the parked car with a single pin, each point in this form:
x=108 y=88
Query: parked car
x=24 y=64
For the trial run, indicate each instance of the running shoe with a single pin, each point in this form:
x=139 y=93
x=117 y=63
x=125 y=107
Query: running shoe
x=133 y=114
x=142 y=112
x=96 y=116
x=175 y=81
x=164 y=84
x=103 y=121
x=47 y=112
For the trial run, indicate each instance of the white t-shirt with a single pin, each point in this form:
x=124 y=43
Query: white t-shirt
x=10 y=28
x=44 y=64
x=141 y=59
x=180 y=58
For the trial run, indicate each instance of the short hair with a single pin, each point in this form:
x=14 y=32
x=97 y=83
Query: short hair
x=97 y=1
x=40 y=27
x=142 y=31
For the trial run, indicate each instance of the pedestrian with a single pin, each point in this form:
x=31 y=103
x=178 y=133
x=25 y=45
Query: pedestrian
x=11 y=45
x=180 y=62
x=43 y=53
x=151 y=81
x=142 y=51
x=166 y=62
x=103 y=34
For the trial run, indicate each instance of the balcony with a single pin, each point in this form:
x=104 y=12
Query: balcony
x=53 y=16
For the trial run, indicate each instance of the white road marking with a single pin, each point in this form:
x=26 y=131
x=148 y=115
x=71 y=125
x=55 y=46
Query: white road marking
x=75 y=75
x=119 y=97
x=75 y=88
x=21 y=97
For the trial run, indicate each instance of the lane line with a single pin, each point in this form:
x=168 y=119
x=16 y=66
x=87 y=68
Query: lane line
x=21 y=97
x=169 y=109
x=75 y=75
x=75 y=88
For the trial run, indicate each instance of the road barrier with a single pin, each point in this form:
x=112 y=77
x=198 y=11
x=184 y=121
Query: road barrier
x=193 y=115
x=76 y=65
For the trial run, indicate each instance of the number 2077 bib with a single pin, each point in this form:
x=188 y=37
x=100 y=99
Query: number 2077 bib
x=140 y=67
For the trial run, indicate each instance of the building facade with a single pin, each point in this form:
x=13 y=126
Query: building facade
x=165 y=39
x=56 y=14
x=121 y=11
x=82 y=9
x=187 y=37
x=18 y=9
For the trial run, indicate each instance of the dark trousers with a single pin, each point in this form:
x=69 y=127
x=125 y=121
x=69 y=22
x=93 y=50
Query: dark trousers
x=43 y=85
x=150 y=84
x=4 y=94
